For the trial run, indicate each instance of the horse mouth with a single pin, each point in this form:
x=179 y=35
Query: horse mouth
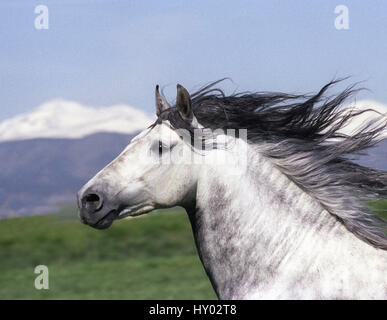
x=106 y=221
x=120 y=213
x=135 y=210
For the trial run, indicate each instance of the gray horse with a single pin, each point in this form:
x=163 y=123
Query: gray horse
x=277 y=207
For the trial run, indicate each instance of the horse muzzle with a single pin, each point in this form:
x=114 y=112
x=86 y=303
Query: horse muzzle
x=94 y=210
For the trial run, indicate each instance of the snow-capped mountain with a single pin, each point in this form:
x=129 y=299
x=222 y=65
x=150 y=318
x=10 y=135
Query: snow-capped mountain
x=68 y=119
x=361 y=120
x=47 y=154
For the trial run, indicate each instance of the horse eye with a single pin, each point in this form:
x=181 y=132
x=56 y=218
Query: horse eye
x=160 y=148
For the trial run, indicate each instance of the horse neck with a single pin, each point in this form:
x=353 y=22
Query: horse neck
x=254 y=227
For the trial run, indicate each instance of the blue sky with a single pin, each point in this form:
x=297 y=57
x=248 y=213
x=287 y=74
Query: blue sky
x=108 y=52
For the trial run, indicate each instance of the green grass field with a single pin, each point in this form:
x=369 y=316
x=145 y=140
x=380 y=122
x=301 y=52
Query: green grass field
x=380 y=208
x=149 y=257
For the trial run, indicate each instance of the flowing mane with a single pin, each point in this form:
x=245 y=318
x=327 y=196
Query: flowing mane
x=301 y=135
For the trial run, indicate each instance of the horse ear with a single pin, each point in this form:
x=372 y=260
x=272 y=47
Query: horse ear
x=183 y=103
x=161 y=102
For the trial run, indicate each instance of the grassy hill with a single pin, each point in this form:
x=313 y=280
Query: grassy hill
x=149 y=257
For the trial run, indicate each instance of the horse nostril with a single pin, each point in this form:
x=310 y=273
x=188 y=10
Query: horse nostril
x=92 y=202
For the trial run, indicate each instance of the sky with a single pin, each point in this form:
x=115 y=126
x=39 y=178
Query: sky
x=100 y=53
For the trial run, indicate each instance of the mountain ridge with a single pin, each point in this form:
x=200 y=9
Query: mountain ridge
x=38 y=175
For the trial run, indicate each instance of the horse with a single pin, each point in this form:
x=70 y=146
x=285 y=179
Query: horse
x=280 y=211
